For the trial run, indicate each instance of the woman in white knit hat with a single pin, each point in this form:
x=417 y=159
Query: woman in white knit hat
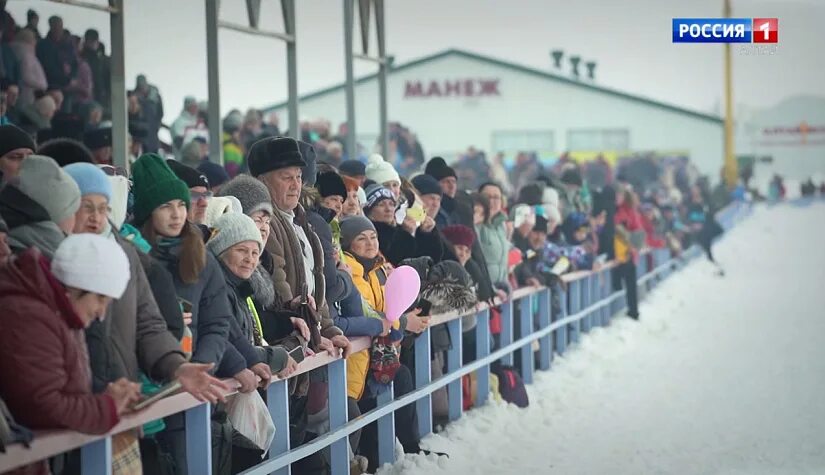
x=46 y=307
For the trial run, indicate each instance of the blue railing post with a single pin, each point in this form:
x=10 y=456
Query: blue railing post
x=583 y=302
x=96 y=457
x=482 y=349
x=338 y=415
x=199 y=439
x=423 y=376
x=507 y=330
x=454 y=392
x=545 y=348
x=386 y=429
x=567 y=306
x=277 y=400
x=595 y=292
x=526 y=313
x=604 y=283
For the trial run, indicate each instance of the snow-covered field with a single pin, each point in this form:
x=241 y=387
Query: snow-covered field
x=720 y=376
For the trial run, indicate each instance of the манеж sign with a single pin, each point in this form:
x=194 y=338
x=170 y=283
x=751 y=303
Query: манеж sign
x=452 y=88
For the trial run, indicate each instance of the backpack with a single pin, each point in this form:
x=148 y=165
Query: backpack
x=10 y=431
x=511 y=386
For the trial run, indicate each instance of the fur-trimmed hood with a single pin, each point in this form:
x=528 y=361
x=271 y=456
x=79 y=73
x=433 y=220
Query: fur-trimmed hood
x=448 y=295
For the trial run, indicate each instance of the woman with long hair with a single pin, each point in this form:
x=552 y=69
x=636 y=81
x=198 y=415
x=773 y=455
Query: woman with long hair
x=161 y=205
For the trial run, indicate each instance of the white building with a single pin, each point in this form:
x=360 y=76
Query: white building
x=791 y=133
x=455 y=99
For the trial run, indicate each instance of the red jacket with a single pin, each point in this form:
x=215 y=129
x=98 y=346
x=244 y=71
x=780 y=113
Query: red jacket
x=44 y=365
x=652 y=240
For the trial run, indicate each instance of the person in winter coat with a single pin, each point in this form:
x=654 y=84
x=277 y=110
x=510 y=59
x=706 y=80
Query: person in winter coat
x=95 y=56
x=32 y=76
x=626 y=243
x=39 y=206
x=56 y=55
x=161 y=204
x=359 y=241
x=151 y=104
x=236 y=243
x=297 y=275
x=138 y=331
x=297 y=272
x=703 y=226
x=400 y=241
x=278 y=325
x=493 y=237
x=133 y=337
x=46 y=306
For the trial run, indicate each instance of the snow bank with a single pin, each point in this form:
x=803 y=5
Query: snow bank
x=721 y=375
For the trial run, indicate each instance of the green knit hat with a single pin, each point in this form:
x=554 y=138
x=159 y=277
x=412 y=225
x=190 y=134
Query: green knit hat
x=155 y=184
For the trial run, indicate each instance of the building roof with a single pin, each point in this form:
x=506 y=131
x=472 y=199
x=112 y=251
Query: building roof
x=515 y=67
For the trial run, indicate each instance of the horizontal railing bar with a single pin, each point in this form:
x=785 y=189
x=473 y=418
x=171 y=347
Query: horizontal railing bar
x=49 y=443
x=255 y=31
x=409 y=398
x=88 y=5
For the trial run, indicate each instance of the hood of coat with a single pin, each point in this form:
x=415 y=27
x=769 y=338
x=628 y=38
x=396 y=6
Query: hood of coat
x=262 y=289
x=422 y=265
x=310 y=197
x=45 y=236
x=27 y=276
x=448 y=295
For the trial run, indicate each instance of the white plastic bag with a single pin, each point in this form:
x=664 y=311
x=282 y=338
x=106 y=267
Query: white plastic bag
x=250 y=417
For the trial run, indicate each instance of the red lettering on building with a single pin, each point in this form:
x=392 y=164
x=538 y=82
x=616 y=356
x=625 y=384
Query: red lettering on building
x=452 y=88
x=489 y=87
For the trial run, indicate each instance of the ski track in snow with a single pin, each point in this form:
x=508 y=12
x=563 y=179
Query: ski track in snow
x=720 y=376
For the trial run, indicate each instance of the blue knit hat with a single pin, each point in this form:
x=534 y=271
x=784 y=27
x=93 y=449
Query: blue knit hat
x=90 y=179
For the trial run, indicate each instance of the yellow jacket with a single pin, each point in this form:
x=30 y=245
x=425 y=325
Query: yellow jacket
x=622 y=249
x=370 y=285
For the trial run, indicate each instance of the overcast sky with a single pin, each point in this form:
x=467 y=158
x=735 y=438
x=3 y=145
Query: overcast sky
x=630 y=40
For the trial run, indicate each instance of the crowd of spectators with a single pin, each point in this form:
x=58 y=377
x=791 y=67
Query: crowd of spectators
x=186 y=271
x=287 y=259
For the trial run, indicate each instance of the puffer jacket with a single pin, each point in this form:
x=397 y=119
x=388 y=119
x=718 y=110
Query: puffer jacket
x=210 y=310
x=43 y=339
x=495 y=246
x=239 y=293
x=370 y=284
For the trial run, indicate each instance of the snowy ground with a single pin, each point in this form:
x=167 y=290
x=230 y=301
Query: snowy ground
x=721 y=376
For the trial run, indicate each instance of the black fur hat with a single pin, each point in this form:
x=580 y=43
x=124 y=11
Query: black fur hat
x=273 y=153
x=331 y=184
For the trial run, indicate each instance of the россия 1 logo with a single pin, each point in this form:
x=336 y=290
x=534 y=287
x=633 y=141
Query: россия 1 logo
x=725 y=30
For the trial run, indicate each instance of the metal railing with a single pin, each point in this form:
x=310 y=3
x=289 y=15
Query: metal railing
x=587 y=299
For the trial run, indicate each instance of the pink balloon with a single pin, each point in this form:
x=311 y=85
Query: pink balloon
x=400 y=291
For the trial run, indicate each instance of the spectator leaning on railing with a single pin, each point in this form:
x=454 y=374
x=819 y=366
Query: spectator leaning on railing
x=46 y=307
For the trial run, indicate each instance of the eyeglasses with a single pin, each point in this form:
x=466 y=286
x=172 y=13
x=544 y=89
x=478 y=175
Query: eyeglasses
x=89 y=208
x=114 y=171
x=262 y=221
x=196 y=195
